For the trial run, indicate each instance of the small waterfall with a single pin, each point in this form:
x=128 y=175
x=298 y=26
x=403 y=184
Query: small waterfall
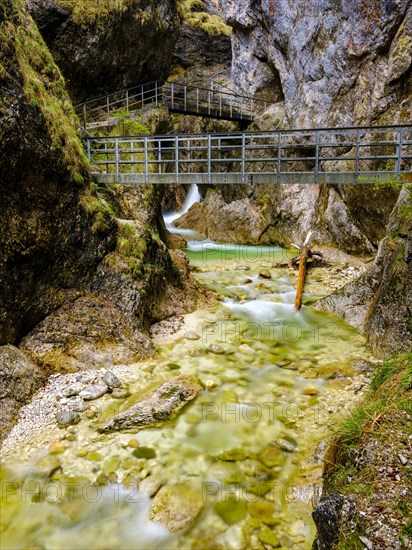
x=192 y=197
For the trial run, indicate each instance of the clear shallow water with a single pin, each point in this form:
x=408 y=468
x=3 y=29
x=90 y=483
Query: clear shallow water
x=277 y=380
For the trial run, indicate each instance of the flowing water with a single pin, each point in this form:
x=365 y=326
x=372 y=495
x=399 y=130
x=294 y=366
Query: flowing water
x=247 y=449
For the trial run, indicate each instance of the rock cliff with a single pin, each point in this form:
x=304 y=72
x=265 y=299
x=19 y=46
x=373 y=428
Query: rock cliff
x=105 y=47
x=331 y=63
x=84 y=270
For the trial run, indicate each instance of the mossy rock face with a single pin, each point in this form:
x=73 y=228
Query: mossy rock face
x=231 y=511
x=177 y=506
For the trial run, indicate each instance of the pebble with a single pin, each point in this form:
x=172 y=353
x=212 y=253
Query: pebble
x=93 y=391
x=285 y=445
x=247 y=281
x=242 y=268
x=402 y=459
x=211 y=384
x=368 y=543
x=120 y=393
x=77 y=404
x=71 y=391
x=111 y=380
x=66 y=418
x=265 y=274
x=214 y=348
x=190 y=335
x=310 y=391
x=150 y=486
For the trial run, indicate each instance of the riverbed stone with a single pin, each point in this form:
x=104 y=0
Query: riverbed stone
x=47 y=465
x=216 y=349
x=233 y=455
x=150 y=485
x=159 y=406
x=71 y=391
x=231 y=511
x=265 y=274
x=66 y=418
x=111 y=380
x=268 y=537
x=176 y=506
x=226 y=472
x=285 y=445
x=144 y=452
x=191 y=335
x=120 y=393
x=260 y=509
x=271 y=456
x=76 y=404
x=93 y=391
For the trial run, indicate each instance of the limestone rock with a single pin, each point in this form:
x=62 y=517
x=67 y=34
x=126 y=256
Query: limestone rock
x=93 y=391
x=19 y=379
x=111 y=380
x=176 y=506
x=158 y=406
x=67 y=418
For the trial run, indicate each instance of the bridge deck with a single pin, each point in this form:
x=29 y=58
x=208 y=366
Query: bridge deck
x=333 y=155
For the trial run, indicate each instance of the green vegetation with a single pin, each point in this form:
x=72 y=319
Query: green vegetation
x=382 y=418
x=96 y=12
x=194 y=14
x=22 y=50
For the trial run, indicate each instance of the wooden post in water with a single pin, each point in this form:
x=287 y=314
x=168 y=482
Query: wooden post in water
x=302 y=271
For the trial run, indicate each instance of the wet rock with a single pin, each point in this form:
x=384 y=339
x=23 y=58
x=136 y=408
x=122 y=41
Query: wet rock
x=211 y=384
x=111 y=380
x=234 y=455
x=265 y=274
x=226 y=472
x=150 y=485
x=231 y=511
x=47 y=465
x=190 y=335
x=159 y=406
x=214 y=348
x=247 y=281
x=120 y=393
x=327 y=516
x=144 y=452
x=67 y=418
x=260 y=509
x=310 y=391
x=271 y=456
x=268 y=537
x=242 y=268
x=93 y=391
x=176 y=506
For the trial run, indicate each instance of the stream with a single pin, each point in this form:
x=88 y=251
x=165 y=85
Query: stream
x=247 y=452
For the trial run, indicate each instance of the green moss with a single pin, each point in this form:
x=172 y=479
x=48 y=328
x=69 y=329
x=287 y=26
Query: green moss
x=96 y=12
x=24 y=51
x=193 y=13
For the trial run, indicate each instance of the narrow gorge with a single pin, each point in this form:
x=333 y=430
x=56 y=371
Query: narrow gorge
x=161 y=165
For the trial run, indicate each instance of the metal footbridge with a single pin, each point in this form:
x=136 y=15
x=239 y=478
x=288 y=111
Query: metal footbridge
x=214 y=102
x=323 y=155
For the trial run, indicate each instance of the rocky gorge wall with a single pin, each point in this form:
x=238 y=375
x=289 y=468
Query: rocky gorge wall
x=331 y=63
x=84 y=270
x=103 y=47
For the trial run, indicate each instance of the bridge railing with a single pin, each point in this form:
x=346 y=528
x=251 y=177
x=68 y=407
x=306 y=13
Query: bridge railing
x=178 y=98
x=301 y=156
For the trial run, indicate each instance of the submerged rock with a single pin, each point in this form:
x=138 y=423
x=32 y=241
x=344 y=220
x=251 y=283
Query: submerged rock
x=158 y=406
x=231 y=511
x=265 y=274
x=150 y=485
x=214 y=348
x=176 y=506
x=190 y=335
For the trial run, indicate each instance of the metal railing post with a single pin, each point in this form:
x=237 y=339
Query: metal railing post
x=177 y=158
x=159 y=158
x=188 y=156
x=88 y=150
x=279 y=156
x=399 y=153
x=357 y=151
x=317 y=157
x=208 y=102
x=220 y=104
x=197 y=100
x=116 y=147
x=243 y=156
x=146 y=161
x=156 y=94
x=185 y=97
x=209 y=158
x=132 y=155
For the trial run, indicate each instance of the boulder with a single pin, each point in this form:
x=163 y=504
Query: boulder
x=158 y=406
x=176 y=506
